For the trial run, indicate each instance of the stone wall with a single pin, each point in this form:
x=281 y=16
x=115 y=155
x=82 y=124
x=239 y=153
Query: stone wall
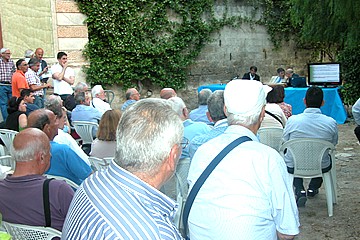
x=230 y=53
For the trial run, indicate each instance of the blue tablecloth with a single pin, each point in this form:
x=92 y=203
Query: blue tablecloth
x=333 y=106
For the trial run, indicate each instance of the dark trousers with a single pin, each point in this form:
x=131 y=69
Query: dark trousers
x=357 y=132
x=314 y=184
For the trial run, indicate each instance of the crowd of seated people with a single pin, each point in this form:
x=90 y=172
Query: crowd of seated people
x=142 y=165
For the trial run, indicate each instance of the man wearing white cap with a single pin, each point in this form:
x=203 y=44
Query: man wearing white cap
x=249 y=194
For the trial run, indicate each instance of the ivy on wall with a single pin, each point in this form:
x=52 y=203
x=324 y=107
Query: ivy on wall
x=146 y=40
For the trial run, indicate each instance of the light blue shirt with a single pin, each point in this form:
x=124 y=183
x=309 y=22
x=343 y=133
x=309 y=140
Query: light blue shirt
x=191 y=130
x=311 y=124
x=199 y=114
x=66 y=163
x=356 y=111
x=196 y=142
x=127 y=103
x=115 y=204
x=86 y=113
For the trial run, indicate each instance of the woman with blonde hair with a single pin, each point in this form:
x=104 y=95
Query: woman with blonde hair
x=105 y=143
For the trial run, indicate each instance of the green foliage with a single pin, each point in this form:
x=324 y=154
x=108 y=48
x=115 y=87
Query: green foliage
x=276 y=18
x=329 y=22
x=350 y=67
x=146 y=40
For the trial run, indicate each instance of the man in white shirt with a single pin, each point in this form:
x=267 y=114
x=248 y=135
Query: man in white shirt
x=63 y=76
x=249 y=194
x=98 y=99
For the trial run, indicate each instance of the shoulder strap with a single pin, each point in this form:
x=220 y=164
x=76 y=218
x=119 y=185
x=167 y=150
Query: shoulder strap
x=208 y=170
x=46 y=202
x=274 y=116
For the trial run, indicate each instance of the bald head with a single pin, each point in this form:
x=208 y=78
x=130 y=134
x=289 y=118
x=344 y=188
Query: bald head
x=28 y=143
x=167 y=93
x=132 y=94
x=31 y=152
x=44 y=120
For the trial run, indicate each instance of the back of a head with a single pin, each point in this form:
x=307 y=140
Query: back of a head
x=96 y=90
x=276 y=95
x=54 y=104
x=108 y=125
x=216 y=105
x=203 y=96
x=29 y=53
x=28 y=143
x=38 y=118
x=167 y=93
x=314 y=97
x=177 y=104
x=244 y=100
x=143 y=148
x=13 y=104
x=80 y=98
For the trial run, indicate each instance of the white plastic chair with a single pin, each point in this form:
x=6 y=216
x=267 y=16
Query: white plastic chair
x=100 y=163
x=85 y=130
x=182 y=188
x=307 y=154
x=21 y=232
x=110 y=95
x=68 y=181
x=271 y=137
x=7 y=136
x=7 y=160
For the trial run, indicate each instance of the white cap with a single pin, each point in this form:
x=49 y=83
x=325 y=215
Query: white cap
x=3 y=50
x=245 y=97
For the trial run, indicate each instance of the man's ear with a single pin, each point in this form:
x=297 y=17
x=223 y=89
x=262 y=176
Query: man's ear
x=173 y=158
x=209 y=117
x=322 y=103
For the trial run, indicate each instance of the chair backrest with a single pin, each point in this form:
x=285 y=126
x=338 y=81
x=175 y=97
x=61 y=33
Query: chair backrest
x=68 y=181
x=307 y=154
x=7 y=136
x=85 y=130
x=110 y=95
x=100 y=163
x=20 y=232
x=7 y=160
x=271 y=137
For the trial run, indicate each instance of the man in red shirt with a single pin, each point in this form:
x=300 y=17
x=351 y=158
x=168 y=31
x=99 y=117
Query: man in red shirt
x=19 y=82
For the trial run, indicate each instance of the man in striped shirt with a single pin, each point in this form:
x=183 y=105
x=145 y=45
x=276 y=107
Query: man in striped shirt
x=124 y=202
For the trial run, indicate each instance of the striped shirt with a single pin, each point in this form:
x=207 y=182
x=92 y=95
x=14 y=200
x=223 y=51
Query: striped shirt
x=33 y=79
x=115 y=204
x=7 y=69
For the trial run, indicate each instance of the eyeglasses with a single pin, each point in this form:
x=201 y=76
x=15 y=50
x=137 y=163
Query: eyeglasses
x=184 y=143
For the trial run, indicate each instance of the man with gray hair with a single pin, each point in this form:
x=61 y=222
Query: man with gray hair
x=191 y=128
x=132 y=95
x=69 y=103
x=34 y=82
x=124 y=202
x=216 y=115
x=249 y=193
x=7 y=69
x=200 y=114
x=99 y=99
x=28 y=55
x=22 y=192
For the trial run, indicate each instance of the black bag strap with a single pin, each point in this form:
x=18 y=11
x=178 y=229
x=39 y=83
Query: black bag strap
x=274 y=116
x=46 y=202
x=208 y=170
